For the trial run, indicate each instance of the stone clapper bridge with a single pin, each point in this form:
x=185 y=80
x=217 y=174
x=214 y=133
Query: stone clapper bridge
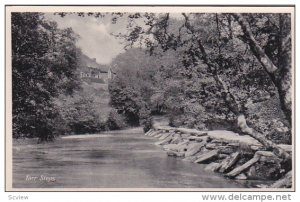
x=236 y=156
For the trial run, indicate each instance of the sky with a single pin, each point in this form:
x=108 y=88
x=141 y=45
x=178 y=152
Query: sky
x=95 y=39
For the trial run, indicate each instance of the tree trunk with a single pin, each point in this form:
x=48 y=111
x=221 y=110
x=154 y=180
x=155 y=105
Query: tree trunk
x=261 y=138
x=281 y=74
x=284 y=76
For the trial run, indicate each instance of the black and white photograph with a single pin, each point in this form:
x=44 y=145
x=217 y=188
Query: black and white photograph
x=150 y=98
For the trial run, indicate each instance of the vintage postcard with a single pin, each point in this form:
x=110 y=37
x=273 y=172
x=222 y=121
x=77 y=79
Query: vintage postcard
x=150 y=98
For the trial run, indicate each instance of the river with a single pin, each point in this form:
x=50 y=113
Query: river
x=118 y=159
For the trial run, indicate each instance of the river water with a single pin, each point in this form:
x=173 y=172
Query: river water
x=120 y=159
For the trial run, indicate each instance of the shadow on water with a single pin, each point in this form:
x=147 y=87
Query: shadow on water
x=121 y=159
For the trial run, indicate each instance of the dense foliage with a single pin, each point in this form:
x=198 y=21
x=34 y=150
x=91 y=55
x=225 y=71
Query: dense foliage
x=43 y=66
x=130 y=90
x=79 y=115
x=219 y=66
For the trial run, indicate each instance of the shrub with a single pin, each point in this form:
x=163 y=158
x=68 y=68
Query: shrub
x=115 y=121
x=145 y=119
x=79 y=114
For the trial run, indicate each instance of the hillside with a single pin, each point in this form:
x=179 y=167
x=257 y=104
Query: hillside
x=96 y=88
x=99 y=93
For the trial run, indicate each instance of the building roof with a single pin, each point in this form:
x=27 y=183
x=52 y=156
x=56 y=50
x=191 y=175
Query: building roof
x=89 y=63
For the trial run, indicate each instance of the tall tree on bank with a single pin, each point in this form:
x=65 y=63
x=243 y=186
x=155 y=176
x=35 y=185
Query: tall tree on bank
x=204 y=45
x=44 y=61
x=279 y=73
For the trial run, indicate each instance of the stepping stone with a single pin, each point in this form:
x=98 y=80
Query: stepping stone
x=164 y=136
x=148 y=132
x=165 y=141
x=241 y=176
x=243 y=167
x=175 y=154
x=198 y=139
x=207 y=156
x=194 y=148
x=229 y=162
x=212 y=167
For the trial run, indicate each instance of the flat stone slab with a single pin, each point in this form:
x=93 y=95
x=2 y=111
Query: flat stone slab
x=212 y=167
x=176 y=139
x=190 y=158
x=286 y=147
x=229 y=136
x=164 y=136
x=149 y=132
x=243 y=167
x=191 y=131
x=206 y=156
x=158 y=135
x=175 y=147
x=165 y=128
x=175 y=154
x=194 y=148
x=165 y=141
x=230 y=161
x=241 y=176
x=197 y=138
x=154 y=133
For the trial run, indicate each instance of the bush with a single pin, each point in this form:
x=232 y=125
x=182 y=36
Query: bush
x=115 y=121
x=145 y=119
x=79 y=114
x=274 y=129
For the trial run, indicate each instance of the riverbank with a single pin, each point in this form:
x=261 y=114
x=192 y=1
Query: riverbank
x=234 y=156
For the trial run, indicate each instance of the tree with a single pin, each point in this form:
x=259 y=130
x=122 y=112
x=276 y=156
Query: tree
x=220 y=54
x=127 y=101
x=44 y=62
x=280 y=74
